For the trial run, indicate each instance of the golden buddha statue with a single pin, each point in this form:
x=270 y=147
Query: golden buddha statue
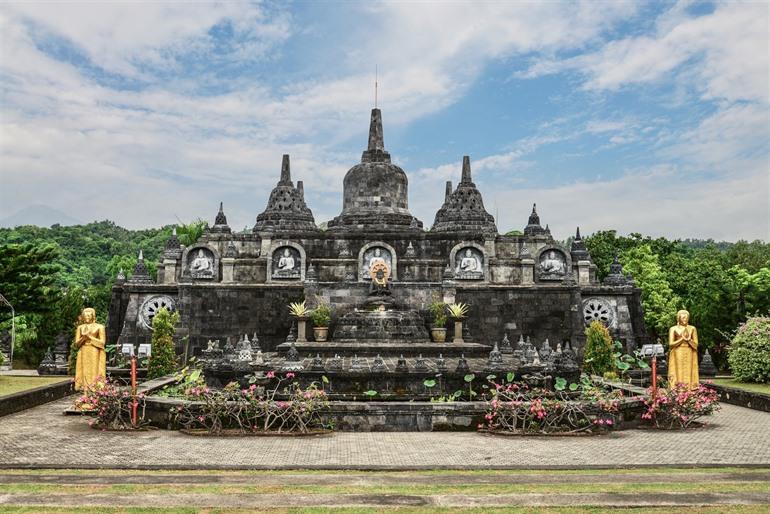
x=90 y=340
x=683 y=352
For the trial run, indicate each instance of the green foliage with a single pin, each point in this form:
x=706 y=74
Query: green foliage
x=458 y=310
x=658 y=300
x=750 y=351
x=299 y=309
x=163 y=357
x=189 y=233
x=321 y=315
x=599 y=356
x=514 y=233
x=438 y=311
x=27 y=277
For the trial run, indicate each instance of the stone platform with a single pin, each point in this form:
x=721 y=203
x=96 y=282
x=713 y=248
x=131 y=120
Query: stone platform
x=372 y=347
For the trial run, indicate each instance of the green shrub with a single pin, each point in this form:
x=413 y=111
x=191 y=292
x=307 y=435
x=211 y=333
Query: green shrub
x=438 y=310
x=599 y=356
x=321 y=315
x=749 y=356
x=163 y=357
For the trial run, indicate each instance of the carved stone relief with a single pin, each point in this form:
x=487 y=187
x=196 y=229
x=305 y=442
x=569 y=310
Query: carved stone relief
x=469 y=264
x=201 y=263
x=552 y=265
x=598 y=309
x=287 y=263
x=152 y=305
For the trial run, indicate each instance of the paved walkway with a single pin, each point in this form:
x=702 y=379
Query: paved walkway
x=43 y=437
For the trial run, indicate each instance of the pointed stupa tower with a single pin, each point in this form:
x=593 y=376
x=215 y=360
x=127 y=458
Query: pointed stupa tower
x=286 y=209
x=533 y=227
x=376 y=196
x=578 y=248
x=463 y=209
x=140 y=274
x=220 y=222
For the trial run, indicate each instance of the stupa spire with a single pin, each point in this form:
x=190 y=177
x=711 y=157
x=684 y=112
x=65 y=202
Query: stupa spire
x=466 y=176
x=448 y=191
x=577 y=234
x=285 y=170
x=376 y=139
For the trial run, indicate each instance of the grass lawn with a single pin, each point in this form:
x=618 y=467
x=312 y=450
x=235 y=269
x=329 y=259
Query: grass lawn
x=478 y=491
x=10 y=384
x=747 y=386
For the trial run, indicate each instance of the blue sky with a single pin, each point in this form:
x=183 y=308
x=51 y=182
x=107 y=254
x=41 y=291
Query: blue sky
x=647 y=117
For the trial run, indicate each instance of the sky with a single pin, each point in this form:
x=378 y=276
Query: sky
x=640 y=117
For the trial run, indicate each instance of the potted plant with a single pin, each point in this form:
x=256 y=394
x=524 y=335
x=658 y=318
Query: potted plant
x=438 y=329
x=300 y=311
x=458 y=312
x=321 y=317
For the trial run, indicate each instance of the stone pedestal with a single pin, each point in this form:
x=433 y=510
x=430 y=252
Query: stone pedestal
x=228 y=269
x=584 y=272
x=458 y=337
x=169 y=271
x=302 y=330
x=527 y=271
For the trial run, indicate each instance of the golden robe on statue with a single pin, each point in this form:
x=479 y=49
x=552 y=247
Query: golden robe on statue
x=683 y=352
x=90 y=339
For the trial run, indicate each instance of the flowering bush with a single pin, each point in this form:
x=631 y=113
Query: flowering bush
x=516 y=408
x=111 y=403
x=680 y=406
x=286 y=407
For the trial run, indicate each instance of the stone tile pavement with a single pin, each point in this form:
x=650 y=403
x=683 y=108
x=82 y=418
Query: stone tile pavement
x=43 y=437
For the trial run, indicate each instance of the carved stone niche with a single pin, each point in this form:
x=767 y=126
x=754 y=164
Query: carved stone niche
x=552 y=264
x=468 y=262
x=287 y=263
x=371 y=254
x=202 y=262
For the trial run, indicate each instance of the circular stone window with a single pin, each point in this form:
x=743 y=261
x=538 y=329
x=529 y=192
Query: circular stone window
x=152 y=305
x=596 y=309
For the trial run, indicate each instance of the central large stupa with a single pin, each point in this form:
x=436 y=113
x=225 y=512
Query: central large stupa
x=376 y=191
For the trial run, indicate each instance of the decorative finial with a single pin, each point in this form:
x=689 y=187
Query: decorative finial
x=301 y=190
x=141 y=255
x=375 y=85
x=173 y=231
x=448 y=192
x=466 y=178
x=221 y=207
x=577 y=233
x=534 y=208
x=285 y=170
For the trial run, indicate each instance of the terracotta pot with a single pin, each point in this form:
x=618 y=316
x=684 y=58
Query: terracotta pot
x=321 y=334
x=438 y=334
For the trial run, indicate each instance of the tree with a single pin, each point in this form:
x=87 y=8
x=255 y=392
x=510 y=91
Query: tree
x=163 y=357
x=599 y=355
x=658 y=300
x=27 y=277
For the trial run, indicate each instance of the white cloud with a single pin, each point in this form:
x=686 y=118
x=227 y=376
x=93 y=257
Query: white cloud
x=722 y=55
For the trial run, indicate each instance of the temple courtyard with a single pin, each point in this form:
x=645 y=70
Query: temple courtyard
x=50 y=464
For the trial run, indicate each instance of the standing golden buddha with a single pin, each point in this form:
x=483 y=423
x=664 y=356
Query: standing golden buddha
x=90 y=339
x=683 y=352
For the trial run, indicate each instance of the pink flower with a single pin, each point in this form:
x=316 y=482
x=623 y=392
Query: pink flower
x=270 y=374
x=290 y=375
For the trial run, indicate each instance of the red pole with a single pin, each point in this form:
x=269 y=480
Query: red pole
x=134 y=403
x=654 y=377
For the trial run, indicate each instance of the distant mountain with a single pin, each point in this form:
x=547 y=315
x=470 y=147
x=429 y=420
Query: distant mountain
x=39 y=215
